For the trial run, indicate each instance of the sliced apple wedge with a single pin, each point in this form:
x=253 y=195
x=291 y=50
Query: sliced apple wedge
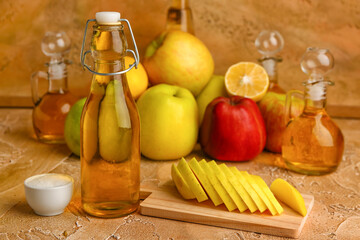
x=225 y=197
x=191 y=180
x=289 y=195
x=201 y=176
x=180 y=183
x=262 y=184
x=260 y=192
x=255 y=197
x=228 y=187
x=236 y=189
x=239 y=188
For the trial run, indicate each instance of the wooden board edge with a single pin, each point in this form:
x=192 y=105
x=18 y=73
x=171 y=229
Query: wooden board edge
x=149 y=209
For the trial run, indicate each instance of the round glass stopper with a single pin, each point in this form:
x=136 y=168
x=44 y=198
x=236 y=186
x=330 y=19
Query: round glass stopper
x=269 y=42
x=317 y=61
x=55 y=44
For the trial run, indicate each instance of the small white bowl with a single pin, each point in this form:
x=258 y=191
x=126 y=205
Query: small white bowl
x=49 y=194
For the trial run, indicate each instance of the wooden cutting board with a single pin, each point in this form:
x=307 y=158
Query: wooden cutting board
x=166 y=202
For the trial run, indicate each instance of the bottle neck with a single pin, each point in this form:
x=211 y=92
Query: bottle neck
x=108 y=48
x=57 y=76
x=179 y=16
x=112 y=66
x=270 y=65
x=315 y=95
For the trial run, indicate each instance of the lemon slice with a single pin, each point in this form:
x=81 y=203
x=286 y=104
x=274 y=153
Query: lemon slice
x=247 y=79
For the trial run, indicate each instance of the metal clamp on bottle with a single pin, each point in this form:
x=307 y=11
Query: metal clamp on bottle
x=134 y=53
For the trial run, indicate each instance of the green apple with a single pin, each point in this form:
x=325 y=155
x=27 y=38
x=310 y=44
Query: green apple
x=215 y=88
x=72 y=127
x=179 y=58
x=169 y=122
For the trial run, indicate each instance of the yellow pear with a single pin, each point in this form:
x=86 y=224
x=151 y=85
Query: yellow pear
x=115 y=133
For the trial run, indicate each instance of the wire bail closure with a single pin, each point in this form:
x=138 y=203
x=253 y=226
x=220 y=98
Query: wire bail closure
x=134 y=53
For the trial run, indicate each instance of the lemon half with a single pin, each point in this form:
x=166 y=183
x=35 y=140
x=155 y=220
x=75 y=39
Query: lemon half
x=247 y=79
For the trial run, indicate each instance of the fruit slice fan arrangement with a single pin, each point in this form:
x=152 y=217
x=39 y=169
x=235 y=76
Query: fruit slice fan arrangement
x=233 y=188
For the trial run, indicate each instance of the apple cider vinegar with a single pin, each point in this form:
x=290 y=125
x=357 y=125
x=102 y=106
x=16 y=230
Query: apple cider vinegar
x=49 y=116
x=110 y=127
x=51 y=109
x=312 y=143
x=315 y=149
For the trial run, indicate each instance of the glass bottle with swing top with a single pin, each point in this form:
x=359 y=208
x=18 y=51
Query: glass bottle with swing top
x=312 y=143
x=110 y=126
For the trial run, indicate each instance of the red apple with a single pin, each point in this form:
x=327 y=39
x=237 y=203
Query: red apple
x=233 y=129
x=272 y=108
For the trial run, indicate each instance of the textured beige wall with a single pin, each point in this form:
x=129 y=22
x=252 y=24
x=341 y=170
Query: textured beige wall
x=227 y=27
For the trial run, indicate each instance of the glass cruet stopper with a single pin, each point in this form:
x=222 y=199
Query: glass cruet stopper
x=269 y=43
x=55 y=45
x=316 y=63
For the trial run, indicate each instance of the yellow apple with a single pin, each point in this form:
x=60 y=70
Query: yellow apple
x=215 y=88
x=169 y=122
x=179 y=58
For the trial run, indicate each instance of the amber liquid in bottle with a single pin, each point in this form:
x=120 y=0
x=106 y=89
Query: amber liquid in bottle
x=312 y=143
x=110 y=132
x=179 y=17
x=50 y=112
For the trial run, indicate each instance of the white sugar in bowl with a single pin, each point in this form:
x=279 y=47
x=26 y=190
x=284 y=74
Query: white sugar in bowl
x=49 y=194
